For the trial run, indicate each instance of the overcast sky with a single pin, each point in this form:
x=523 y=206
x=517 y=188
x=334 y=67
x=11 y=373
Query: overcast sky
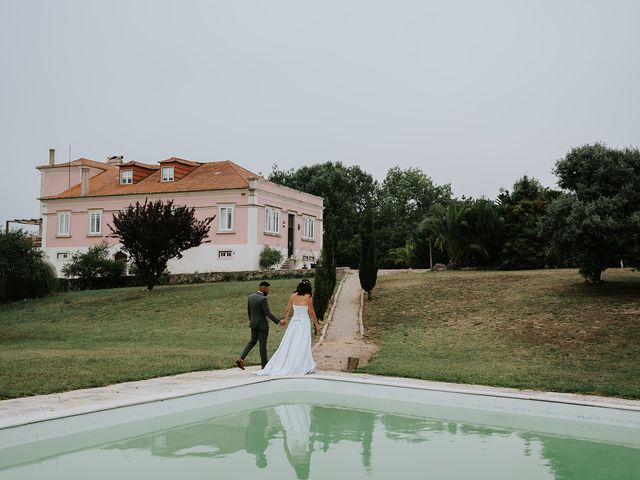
x=475 y=93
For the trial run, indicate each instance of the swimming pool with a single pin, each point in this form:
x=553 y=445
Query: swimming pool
x=318 y=428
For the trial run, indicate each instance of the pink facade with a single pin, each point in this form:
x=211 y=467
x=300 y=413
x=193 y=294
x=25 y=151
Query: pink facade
x=235 y=247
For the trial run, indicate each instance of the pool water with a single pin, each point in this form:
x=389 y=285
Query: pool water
x=314 y=435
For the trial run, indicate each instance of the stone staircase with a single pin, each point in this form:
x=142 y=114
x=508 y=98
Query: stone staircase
x=288 y=264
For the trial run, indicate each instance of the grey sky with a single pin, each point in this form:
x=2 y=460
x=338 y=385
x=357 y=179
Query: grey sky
x=475 y=93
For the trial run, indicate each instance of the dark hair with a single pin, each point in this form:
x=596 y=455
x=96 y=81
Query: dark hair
x=265 y=284
x=304 y=287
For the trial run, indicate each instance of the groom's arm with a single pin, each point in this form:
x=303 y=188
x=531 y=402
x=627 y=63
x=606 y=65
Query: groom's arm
x=267 y=311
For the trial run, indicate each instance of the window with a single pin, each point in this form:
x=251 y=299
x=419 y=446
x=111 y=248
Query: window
x=272 y=220
x=167 y=174
x=126 y=177
x=308 y=228
x=64 y=219
x=62 y=255
x=225 y=254
x=225 y=224
x=95 y=221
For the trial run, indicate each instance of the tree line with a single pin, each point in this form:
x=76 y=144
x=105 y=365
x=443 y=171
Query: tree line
x=591 y=222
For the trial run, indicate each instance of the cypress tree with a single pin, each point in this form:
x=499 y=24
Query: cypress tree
x=368 y=268
x=328 y=251
x=325 y=277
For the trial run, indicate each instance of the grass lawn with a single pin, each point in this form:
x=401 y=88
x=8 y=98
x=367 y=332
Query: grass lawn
x=543 y=330
x=92 y=338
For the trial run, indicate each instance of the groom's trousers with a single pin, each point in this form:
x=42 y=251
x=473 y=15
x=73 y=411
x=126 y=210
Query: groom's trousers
x=257 y=335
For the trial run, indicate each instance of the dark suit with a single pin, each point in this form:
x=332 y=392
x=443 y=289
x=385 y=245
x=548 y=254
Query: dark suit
x=258 y=311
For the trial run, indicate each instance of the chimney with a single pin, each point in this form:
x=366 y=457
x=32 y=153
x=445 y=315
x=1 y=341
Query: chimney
x=52 y=156
x=115 y=160
x=84 y=181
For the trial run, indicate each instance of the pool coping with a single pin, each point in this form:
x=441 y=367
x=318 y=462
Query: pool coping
x=27 y=410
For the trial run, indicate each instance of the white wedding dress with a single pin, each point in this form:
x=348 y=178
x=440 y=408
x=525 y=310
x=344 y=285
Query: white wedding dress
x=293 y=356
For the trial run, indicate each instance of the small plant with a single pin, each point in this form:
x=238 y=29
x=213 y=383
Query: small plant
x=269 y=257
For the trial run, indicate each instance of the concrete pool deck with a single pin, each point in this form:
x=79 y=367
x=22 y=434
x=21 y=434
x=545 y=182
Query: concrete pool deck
x=21 y=411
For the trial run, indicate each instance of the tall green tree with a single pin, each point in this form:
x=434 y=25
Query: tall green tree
x=344 y=189
x=485 y=229
x=155 y=232
x=450 y=230
x=404 y=199
x=522 y=210
x=325 y=272
x=368 y=267
x=594 y=223
x=329 y=249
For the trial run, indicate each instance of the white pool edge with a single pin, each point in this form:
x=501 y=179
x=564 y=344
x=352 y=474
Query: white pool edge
x=28 y=410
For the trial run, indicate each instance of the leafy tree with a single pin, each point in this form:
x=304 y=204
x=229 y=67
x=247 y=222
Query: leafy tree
x=595 y=224
x=269 y=257
x=155 y=232
x=24 y=273
x=522 y=210
x=344 y=189
x=485 y=229
x=404 y=257
x=451 y=233
x=404 y=199
x=368 y=268
x=95 y=263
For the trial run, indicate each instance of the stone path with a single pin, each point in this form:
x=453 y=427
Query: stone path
x=342 y=338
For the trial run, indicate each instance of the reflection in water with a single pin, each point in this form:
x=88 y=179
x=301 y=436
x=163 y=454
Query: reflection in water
x=282 y=440
x=296 y=423
x=256 y=437
x=298 y=429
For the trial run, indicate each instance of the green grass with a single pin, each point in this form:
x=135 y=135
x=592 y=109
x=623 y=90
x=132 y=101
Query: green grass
x=92 y=338
x=543 y=330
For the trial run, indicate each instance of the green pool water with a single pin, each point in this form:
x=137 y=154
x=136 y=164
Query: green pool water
x=314 y=435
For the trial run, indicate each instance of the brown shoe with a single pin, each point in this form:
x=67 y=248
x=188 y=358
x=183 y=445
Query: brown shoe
x=240 y=363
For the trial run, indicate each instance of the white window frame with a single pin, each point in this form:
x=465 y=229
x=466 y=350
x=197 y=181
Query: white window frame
x=91 y=214
x=126 y=179
x=67 y=215
x=223 y=218
x=225 y=254
x=272 y=220
x=63 y=256
x=167 y=178
x=308 y=228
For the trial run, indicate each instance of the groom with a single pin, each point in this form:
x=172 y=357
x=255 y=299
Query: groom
x=258 y=310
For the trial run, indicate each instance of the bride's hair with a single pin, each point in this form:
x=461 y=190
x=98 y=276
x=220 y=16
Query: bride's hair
x=304 y=287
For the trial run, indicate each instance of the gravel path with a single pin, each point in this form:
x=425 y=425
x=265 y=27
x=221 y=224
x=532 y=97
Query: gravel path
x=343 y=338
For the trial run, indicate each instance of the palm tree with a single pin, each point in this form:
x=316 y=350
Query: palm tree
x=405 y=255
x=450 y=231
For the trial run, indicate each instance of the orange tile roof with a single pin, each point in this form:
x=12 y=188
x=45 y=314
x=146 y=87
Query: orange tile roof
x=224 y=175
x=139 y=164
x=80 y=162
x=181 y=160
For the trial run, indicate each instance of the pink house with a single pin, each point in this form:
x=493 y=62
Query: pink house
x=78 y=200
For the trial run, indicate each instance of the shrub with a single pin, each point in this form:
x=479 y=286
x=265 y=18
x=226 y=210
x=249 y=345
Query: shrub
x=94 y=264
x=269 y=257
x=23 y=271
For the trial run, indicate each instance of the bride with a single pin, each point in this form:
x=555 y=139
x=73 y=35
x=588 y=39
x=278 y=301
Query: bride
x=293 y=356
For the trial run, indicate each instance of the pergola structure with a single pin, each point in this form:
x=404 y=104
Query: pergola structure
x=28 y=221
